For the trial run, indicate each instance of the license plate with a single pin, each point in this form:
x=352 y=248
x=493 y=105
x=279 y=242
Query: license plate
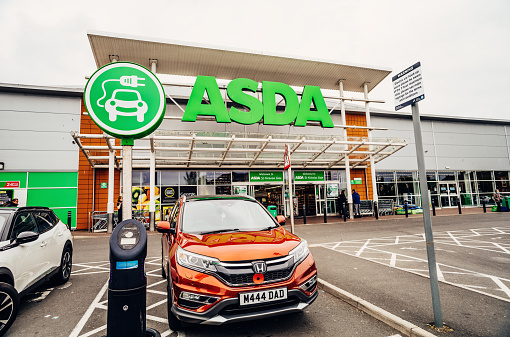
x=263 y=296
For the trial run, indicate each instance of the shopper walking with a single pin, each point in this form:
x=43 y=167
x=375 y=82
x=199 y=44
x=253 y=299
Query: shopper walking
x=497 y=199
x=342 y=201
x=356 y=203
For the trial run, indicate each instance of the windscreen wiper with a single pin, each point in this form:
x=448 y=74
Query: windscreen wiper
x=268 y=228
x=220 y=231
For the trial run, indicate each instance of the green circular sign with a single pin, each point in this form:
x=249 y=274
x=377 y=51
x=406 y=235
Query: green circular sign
x=125 y=100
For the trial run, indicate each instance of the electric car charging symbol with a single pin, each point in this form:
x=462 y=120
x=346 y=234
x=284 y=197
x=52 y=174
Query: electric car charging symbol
x=126 y=102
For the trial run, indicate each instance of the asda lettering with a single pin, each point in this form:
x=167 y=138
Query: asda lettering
x=237 y=90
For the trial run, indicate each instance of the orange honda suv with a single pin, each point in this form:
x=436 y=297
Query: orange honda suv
x=227 y=259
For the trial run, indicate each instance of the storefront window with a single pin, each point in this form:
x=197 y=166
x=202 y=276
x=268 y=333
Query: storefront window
x=405 y=188
x=404 y=176
x=242 y=176
x=136 y=180
x=485 y=187
x=227 y=190
x=431 y=176
x=146 y=178
x=446 y=175
x=465 y=175
x=169 y=178
x=188 y=178
x=501 y=175
x=384 y=176
x=484 y=175
x=205 y=190
x=331 y=175
x=206 y=178
x=503 y=185
x=432 y=186
x=222 y=178
x=386 y=189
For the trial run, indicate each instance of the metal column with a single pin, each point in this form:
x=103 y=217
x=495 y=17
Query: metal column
x=111 y=171
x=152 y=194
x=347 y=164
x=431 y=255
x=370 y=147
x=127 y=181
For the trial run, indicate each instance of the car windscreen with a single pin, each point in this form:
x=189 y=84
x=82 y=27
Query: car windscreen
x=225 y=215
x=3 y=220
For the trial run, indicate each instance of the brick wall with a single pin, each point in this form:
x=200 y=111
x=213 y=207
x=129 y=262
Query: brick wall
x=85 y=175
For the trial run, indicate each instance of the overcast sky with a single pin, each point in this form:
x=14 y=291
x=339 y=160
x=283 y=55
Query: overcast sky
x=464 y=46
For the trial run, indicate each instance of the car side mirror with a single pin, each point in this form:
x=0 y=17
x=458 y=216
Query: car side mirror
x=26 y=237
x=281 y=220
x=164 y=227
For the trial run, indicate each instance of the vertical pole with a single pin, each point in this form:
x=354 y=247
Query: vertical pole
x=347 y=164
x=110 y=205
x=291 y=201
x=152 y=188
x=375 y=197
x=433 y=206
x=459 y=206
x=304 y=211
x=406 y=209
x=431 y=255
x=127 y=181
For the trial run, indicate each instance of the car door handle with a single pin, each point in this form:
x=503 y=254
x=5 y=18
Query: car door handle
x=43 y=244
x=60 y=234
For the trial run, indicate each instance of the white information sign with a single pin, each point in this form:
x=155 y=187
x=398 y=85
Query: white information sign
x=408 y=86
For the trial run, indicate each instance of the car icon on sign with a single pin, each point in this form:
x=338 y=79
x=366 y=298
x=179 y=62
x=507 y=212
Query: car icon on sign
x=126 y=102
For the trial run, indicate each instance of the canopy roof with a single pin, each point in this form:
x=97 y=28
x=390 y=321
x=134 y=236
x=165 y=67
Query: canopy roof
x=199 y=150
x=178 y=58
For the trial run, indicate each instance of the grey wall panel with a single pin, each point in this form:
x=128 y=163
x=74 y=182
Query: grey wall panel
x=35 y=132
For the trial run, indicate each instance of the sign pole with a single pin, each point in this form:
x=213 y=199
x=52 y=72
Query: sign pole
x=431 y=255
x=291 y=199
x=127 y=180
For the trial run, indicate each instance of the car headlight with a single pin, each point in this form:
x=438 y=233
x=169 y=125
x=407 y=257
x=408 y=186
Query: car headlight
x=196 y=261
x=300 y=252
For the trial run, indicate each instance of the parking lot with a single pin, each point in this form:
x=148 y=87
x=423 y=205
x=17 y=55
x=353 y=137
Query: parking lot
x=383 y=262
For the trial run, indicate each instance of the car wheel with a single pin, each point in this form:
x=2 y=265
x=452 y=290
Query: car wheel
x=173 y=321
x=66 y=264
x=9 y=299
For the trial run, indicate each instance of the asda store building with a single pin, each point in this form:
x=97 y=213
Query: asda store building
x=225 y=131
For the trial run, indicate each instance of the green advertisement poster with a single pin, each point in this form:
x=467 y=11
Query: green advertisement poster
x=356 y=181
x=265 y=176
x=309 y=176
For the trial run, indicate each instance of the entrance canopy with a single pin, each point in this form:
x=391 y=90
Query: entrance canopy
x=200 y=150
x=177 y=58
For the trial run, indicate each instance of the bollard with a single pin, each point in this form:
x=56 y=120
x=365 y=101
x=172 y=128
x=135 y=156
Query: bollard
x=69 y=219
x=433 y=208
x=376 y=210
x=304 y=213
x=405 y=208
x=325 y=212
x=483 y=204
x=345 y=212
x=458 y=204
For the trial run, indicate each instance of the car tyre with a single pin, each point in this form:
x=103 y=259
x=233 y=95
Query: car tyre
x=173 y=322
x=9 y=298
x=66 y=264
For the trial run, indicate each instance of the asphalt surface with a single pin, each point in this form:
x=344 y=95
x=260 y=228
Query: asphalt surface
x=78 y=309
x=385 y=263
x=382 y=261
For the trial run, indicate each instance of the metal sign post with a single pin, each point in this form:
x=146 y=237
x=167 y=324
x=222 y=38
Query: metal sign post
x=286 y=166
x=408 y=90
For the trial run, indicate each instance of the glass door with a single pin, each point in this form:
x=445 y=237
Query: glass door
x=319 y=199
x=449 y=194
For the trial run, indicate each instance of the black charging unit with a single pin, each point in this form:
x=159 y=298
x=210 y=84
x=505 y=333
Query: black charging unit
x=127 y=287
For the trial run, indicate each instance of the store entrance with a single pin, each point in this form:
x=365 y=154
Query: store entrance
x=449 y=194
x=269 y=195
x=306 y=196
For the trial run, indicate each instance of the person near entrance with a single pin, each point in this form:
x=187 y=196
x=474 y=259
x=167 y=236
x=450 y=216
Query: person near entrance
x=119 y=209
x=497 y=199
x=342 y=201
x=356 y=203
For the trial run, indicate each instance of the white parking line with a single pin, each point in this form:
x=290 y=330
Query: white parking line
x=77 y=329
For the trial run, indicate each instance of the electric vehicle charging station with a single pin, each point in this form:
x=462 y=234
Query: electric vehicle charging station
x=127 y=287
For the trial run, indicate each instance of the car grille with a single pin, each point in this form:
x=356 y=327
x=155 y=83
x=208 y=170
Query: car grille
x=241 y=273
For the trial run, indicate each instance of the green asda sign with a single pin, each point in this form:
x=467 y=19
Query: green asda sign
x=265 y=176
x=309 y=176
x=241 y=91
x=125 y=100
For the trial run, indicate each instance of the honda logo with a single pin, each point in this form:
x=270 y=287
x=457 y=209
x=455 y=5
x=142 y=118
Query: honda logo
x=259 y=267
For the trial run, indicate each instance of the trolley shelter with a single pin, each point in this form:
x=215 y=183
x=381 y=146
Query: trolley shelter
x=228 y=118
